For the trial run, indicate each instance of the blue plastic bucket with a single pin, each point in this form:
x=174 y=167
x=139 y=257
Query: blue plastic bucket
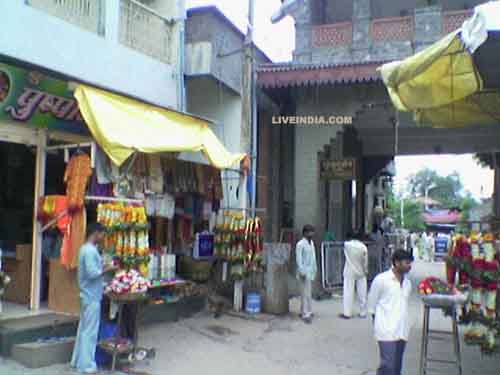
x=106 y=330
x=253 y=303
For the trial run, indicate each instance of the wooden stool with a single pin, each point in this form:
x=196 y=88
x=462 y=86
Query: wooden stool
x=429 y=334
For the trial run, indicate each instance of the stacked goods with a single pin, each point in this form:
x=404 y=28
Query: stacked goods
x=127 y=235
x=130 y=282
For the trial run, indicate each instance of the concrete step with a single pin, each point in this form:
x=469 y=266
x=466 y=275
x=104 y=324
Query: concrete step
x=32 y=328
x=44 y=353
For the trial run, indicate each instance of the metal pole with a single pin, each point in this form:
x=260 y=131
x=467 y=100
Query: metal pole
x=248 y=144
x=402 y=212
x=250 y=59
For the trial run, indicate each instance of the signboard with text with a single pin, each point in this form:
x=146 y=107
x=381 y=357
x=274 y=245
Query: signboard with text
x=343 y=169
x=35 y=99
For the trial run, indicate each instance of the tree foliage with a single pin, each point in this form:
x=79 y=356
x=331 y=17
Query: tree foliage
x=467 y=204
x=447 y=190
x=412 y=212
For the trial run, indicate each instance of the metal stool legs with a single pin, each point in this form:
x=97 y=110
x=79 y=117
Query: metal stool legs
x=428 y=334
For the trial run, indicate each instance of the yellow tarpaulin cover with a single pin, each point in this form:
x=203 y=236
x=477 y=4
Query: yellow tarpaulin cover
x=122 y=126
x=442 y=86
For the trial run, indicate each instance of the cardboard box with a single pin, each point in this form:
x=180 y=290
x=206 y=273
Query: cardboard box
x=64 y=294
x=24 y=252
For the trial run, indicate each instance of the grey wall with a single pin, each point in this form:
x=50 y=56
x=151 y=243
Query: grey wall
x=225 y=40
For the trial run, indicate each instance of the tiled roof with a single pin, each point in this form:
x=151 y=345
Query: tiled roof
x=442 y=217
x=294 y=74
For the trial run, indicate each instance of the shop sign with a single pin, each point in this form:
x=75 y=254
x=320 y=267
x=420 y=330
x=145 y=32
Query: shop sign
x=343 y=169
x=35 y=99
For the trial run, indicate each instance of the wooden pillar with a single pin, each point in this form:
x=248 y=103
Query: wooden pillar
x=36 y=260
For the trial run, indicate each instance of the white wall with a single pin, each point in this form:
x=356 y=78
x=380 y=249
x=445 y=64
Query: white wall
x=309 y=140
x=209 y=99
x=33 y=36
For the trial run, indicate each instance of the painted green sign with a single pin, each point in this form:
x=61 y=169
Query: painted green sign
x=36 y=99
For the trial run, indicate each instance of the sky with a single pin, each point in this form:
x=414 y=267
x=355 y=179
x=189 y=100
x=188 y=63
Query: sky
x=477 y=180
x=278 y=40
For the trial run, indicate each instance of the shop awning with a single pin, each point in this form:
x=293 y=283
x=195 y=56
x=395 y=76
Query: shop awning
x=445 y=84
x=122 y=126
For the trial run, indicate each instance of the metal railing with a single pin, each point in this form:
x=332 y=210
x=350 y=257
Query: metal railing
x=333 y=261
x=87 y=14
x=145 y=31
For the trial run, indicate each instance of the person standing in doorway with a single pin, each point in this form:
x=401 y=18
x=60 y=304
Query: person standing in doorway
x=432 y=246
x=91 y=283
x=306 y=271
x=425 y=247
x=388 y=302
x=355 y=274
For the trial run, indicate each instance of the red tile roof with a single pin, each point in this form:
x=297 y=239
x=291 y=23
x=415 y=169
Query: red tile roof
x=293 y=74
x=442 y=217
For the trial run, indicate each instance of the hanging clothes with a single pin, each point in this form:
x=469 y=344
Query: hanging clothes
x=200 y=179
x=168 y=179
x=103 y=167
x=150 y=203
x=76 y=177
x=155 y=177
x=52 y=206
x=218 y=192
x=74 y=238
x=139 y=176
x=165 y=206
x=98 y=189
x=207 y=210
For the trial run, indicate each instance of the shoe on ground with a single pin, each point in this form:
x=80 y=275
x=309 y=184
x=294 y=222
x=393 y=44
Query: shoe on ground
x=362 y=316
x=342 y=316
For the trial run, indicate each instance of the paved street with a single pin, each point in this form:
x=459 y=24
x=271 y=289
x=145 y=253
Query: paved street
x=203 y=345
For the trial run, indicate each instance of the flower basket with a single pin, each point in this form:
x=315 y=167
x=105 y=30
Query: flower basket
x=128 y=297
x=437 y=293
x=120 y=346
x=445 y=300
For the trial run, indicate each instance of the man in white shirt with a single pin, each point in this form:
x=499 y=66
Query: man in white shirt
x=306 y=271
x=355 y=273
x=388 y=304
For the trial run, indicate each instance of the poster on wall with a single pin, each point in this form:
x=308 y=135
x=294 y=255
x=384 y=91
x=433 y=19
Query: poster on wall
x=35 y=99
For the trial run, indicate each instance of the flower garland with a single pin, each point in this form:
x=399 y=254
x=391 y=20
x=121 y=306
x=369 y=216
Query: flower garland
x=240 y=242
x=477 y=262
x=127 y=235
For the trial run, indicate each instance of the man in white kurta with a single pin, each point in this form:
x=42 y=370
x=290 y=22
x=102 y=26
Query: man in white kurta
x=355 y=273
x=306 y=271
x=388 y=304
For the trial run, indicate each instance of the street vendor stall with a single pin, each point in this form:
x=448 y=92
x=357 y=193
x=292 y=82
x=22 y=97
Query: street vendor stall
x=71 y=155
x=456 y=82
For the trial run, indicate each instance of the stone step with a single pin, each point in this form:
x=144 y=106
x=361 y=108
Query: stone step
x=44 y=353
x=30 y=329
